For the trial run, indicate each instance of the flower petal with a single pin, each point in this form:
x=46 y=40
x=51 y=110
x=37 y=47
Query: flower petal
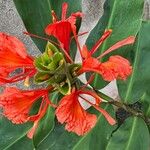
x=127 y=41
x=76 y=118
x=13 y=44
x=13 y=52
x=90 y=64
x=62 y=31
x=116 y=67
x=17 y=103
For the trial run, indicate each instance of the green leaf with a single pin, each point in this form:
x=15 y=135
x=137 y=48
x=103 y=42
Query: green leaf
x=132 y=135
x=95 y=139
x=36 y=15
x=124 y=21
x=46 y=125
x=99 y=136
x=12 y=134
x=59 y=139
x=24 y=143
x=132 y=89
x=145 y=100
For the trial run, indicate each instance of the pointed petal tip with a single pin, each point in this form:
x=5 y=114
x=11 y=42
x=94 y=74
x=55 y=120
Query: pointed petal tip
x=64 y=5
x=30 y=135
x=132 y=39
x=112 y=121
x=109 y=30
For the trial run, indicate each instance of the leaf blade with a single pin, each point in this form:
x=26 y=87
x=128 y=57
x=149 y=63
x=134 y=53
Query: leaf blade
x=124 y=21
x=140 y=75
x=138 y=137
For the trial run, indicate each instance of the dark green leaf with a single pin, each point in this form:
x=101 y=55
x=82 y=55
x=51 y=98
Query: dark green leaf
x=46 y=125
x=59 y=139
x=132 y=89
x=119 y=16
x=24 y=143
x=11 y=134
x=95 y=139
x=132 y=135
x=145 y=100
x=35 y=15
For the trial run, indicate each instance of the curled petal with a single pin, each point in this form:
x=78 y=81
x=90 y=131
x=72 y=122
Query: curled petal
x=13 y=56
x=16 y=104
x=116 y=67
x=76 y=118
x=72 y=19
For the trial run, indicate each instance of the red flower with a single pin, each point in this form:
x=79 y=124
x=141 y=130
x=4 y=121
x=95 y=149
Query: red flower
x=116 y=67
x=17 y=104
x=76 y=118
x=13 y=55
x=62 y=29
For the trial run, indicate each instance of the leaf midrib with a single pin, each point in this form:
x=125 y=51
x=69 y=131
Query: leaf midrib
x=137 y=56
x=11 y=144
x=132 y=133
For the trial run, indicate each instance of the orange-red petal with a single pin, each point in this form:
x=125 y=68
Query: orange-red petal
x=90 y=64
x=13 y=52
x=116 y=67
x=13 y=44
x=16 y=103
x=76 y=118
x=62 y=31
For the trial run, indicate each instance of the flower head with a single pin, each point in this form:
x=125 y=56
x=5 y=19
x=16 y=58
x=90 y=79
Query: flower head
x=73 y=114
x=116 y=67
x=16 y=105
x=13 y=55
x=62 y=29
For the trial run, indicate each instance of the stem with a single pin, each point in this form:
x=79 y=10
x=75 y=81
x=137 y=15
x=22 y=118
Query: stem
x=123 y=106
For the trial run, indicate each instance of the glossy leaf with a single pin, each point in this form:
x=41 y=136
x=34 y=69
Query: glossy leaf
x=35 y=15
x=24 y=143
x=46 y=125
x=124 y=21
x=145 y=100
x=11 y=134
x=59 y=139
x=132 y=135
x=96 y=138
x=132 y=89
x=99 y=136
